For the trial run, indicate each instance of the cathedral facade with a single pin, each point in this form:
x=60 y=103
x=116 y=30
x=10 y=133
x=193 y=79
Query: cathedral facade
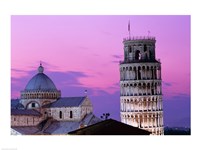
x=141 y=85
x=42 y=110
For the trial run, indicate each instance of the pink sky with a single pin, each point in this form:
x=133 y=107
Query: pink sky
x=92 y=46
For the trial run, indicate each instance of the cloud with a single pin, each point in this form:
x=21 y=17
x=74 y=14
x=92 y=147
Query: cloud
x=118 y=56
x=18 y=70
x=117 y=84
x=18 y=82
x=18 y=73
x=181 y=96
x=115 y=61
x=68 y=78
x=166 y=83
x=60 y=79
x=83 y=47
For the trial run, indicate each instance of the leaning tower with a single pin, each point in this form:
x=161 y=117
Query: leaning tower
x=141 y=85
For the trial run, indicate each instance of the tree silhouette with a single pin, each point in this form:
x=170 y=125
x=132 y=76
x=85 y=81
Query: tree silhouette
x=105 y=116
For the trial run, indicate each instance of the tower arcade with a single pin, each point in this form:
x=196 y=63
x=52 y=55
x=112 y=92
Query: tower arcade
x=141 y=85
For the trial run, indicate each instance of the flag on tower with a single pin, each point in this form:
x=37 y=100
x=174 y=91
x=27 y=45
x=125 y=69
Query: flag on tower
x=129 y=29
x=148 y=32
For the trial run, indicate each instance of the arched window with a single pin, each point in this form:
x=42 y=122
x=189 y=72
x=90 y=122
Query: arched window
x=137 y=55
x=139 y=73
x=60 y=114
x=135 y=73
x=152 y=91
x=150 y=55
x=145 y=47
x=155 y=72
x=70 y=114
x=129 y=49
x=33 y=105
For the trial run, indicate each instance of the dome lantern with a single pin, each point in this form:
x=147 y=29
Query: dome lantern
x=40 y=82
x=40 y=69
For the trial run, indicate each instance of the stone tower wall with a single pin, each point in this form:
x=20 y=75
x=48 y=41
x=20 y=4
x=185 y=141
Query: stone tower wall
x=141 y=86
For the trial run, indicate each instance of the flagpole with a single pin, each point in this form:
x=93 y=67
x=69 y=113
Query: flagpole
x=148 y=33
x=129 y=29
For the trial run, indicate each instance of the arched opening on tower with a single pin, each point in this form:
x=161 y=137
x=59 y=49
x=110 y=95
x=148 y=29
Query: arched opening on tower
x=152 y=91
x=145 y=51
x=130 y=54
x=144 y=89
x=155 y=72
x=129 y=49
x=145 y=47
x=60 y=114
x=135 y=73
x=139 y=73
x=152 y=73
x=70 y=114
x=150 y=55
x=143 y=72
x=147 y=74
x=137 y=55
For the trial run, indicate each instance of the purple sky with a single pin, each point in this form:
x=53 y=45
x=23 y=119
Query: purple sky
x=83 y=52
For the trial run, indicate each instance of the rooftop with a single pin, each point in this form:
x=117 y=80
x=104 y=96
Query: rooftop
x=110 y=127
x=28 y=130
x=26 y=112
x=50 y=126
x=139 y=38
x=66 y=102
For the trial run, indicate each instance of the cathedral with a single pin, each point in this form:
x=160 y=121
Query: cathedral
x=141 y=85
x=42 y=110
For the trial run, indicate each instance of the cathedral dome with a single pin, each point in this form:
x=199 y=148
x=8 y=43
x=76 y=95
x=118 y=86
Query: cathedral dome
x=40 y=82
